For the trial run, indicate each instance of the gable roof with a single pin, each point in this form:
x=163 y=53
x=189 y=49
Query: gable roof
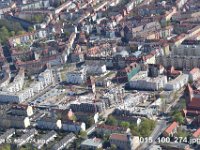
x=196 y=133
x=120 y=137
x=171 y=127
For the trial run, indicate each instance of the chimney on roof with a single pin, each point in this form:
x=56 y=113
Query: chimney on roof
x=190 y=92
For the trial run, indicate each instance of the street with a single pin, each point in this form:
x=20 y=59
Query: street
x=160 y=127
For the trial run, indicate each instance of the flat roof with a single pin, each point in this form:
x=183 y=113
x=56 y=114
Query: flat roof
x=95 y=142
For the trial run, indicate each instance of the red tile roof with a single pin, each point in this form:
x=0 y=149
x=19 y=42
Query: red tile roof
x=171 y=127
x=195 y=102
x=172 y=71
x=120 y=137
x=193 y=112
x=194 y=70
x=196 y=134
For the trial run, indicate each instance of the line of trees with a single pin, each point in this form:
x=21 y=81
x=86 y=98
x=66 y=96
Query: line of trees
x=9 y=29
x=144 y=129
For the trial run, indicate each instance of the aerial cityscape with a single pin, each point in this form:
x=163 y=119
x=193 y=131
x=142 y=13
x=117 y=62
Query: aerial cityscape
x=99 y=74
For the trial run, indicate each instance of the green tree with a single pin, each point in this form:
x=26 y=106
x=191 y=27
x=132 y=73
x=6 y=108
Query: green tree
x=125 y=124
x=30 y=29
x=181 y=133
x=83 y=134
x=89 y=122
x=144 y=129
x=113 y=147
x=12 y=33
x=67 y=34
x=74 y=118
x=4 y=31
x=5 y=147
x=20 y=32
x=111 y=121
x=178 y=117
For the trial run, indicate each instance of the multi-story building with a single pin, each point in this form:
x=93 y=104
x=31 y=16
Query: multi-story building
x=10 y=121
x=49 y=123
x=91 y=144
x=35 y=5
x=26 y=93
x=179 y=62
x=64 y=142
x=177 y=83
x=192 y=102
x=37 y=86
x=11 y=97
x=46 y=77
x=25 y=138
x=127 y=73
x=186 y=50
x=124 y=141
x=141 y=81
x=7 y=135
x=45 y=139
x=194 y=74
x=4 y=78
x=17 y=83
x=180 y=3
x=103 y=129
x=22 y=110
x=94 y=68
x=88 y=106
x=154 y=70
x=73 y=126
x=27 y=38
x=16 y=96
x=77 y=77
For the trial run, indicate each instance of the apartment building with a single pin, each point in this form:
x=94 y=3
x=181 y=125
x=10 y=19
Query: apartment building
x=45 y=139
x=180 y=62
x=8 y=97
x=22 y=110
x=49 y=123
x=194 y=74
x=71 y=126
x=4 y=78
x=25 y=138
x=7 y=135
x=91 y=144
x=124 y=141
x=17 y=83
x=88 y=106
x=177 y=83
x=127 y=73
x=10 y=121
x=77 y=77
x=64 y=142
x=46 y=77
x=142 y=81
x=186 y=50
x=95 y=68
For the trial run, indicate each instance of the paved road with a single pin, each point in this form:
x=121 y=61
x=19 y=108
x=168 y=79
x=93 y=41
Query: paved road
x=179 y=93
x=160 y=127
